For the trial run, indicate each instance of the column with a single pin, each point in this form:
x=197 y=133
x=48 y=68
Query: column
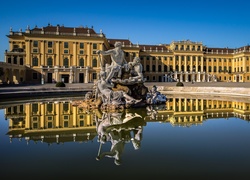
x=74 y=116
x=57 y=116
x=28 y=50
x=181 y=76
x=199 y=77
x=42 y=53
x=58 y=53
x=185 y=63
x=28 y=114
x=202 y=64
x=196 y=63
x=74 y=58
x=42 y=118
x=89 y=60
x=186 y=76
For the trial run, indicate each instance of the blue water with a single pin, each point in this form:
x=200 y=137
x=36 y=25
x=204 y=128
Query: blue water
x=216 y=148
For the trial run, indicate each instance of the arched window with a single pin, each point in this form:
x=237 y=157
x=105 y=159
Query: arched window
x=66 y=62
x=182 y=67
x=159 y=68
x=49 y=61
x=215 y=69
x=81 y=62
x=153 y=68
x=35 y=61
x=165 y=68
x=176 y=68
x=205 y=68
x=199 y=68
x=94 y=62
x=171 y=68
x=147 y=68
x=209 y=69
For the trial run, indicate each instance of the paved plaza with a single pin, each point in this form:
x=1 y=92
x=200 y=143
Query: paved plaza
x=15 y=90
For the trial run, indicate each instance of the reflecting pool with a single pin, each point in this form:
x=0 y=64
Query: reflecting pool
x=188 y=137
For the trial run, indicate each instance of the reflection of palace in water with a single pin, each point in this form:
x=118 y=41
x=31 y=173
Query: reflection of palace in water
x=60 y=122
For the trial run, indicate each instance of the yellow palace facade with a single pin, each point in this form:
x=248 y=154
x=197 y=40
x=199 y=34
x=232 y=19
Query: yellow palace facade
x=58 y=53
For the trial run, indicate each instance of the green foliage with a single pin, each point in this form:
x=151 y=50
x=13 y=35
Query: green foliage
x=179 y=84
x=60 y=84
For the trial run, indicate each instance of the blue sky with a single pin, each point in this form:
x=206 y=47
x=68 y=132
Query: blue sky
x=217 y=23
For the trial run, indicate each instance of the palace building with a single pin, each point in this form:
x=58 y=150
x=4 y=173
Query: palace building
x=68 y=54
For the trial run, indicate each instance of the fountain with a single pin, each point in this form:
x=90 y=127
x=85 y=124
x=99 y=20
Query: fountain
x=120 y=84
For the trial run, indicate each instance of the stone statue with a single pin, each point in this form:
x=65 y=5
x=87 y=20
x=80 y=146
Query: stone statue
x=136 y=69
x=118 y=61
x=104 y=90
x=155 y=97
x=118 y=129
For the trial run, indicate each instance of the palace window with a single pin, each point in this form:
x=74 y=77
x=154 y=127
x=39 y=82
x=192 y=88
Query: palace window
x=35 y=43
x=209 y=69
x=50 y=108
x=147 y=68
x=50 y=51
x=50 y=44
x=94 y=62
x=159 y=68
x=215 y=69
x=182 y=58
x=35 y=50
x=66 y=45
x=165 y=68
x=66 y=62
x=94 y=76
x=81 y=45
x=153 y=68
x=35 y=61
x=65 y=107
x=171 y=68
x=49 y=62
x=81 y=52
x=34 y=108
x=81 y=62
x=94 y=46
x=182 y=68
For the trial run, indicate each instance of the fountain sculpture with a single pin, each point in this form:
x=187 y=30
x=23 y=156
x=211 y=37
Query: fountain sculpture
x=120 y=84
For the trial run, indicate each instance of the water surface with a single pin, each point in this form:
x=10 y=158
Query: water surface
x=189 y=137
